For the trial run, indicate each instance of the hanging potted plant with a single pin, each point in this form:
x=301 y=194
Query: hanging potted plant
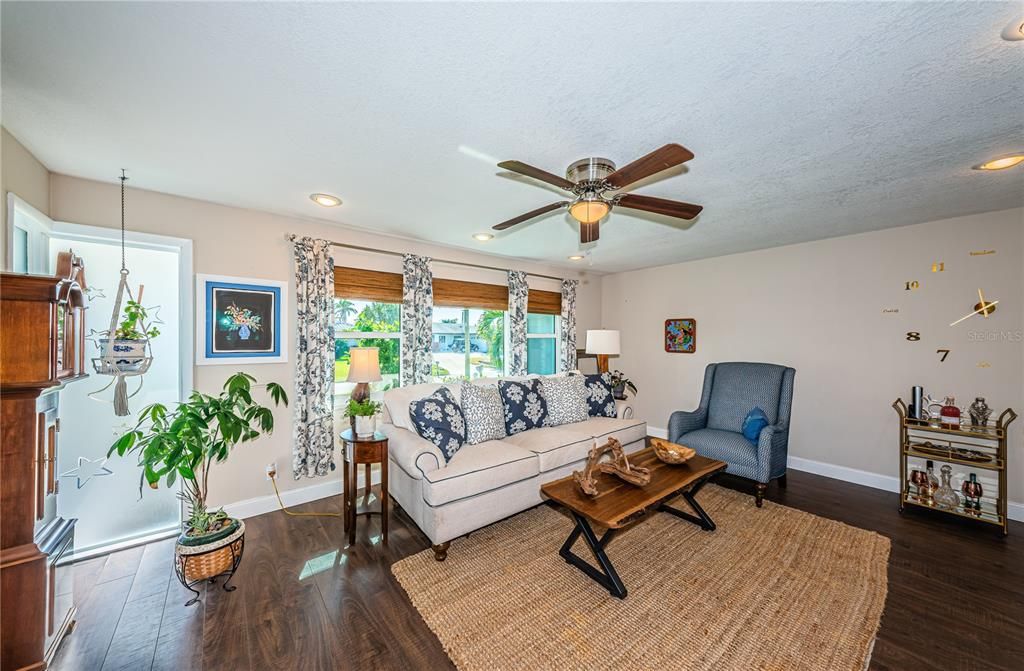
x=131 y=338
x=620 y=383
x=181 y=446
x=362 y=413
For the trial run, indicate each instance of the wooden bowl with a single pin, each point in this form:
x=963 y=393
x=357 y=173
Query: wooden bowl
x=671 y=453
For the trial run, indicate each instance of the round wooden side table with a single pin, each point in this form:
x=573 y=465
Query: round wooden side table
x=365 y=450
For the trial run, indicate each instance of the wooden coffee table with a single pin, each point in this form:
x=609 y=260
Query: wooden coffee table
x=620 y=503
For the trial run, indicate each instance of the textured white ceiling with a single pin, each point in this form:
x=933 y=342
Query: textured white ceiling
x=808 y=120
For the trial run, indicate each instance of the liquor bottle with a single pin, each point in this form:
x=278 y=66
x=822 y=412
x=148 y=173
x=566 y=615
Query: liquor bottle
x=944 y=496
x=950 y=414
x=932 y=484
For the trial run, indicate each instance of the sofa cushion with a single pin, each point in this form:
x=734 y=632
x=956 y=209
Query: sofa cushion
x=396 y=403
x=737 y=388
x=524 y=403
x=439 y=419
x=485 y=415
x=554 y=446
x=625 y=431
x=476 y=469
x=566 y=398
x=727 y=446
x=600 y=401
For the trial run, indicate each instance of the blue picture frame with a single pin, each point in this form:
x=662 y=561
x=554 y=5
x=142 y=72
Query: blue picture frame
x=240 y=320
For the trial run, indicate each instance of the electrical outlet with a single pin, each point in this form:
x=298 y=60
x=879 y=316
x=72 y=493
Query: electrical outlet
x=271 y=470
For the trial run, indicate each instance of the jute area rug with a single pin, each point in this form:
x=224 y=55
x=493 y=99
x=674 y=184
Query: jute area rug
x=772 y=588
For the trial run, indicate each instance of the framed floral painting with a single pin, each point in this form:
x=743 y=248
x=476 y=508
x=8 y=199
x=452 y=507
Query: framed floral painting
x=681 y=335
x=240 y=320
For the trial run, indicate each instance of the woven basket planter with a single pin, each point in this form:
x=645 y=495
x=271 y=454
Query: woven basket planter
x=220 y=557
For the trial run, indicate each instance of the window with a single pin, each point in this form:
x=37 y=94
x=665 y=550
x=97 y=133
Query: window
x=467 y=343
x=360 y=323
x=542 y=344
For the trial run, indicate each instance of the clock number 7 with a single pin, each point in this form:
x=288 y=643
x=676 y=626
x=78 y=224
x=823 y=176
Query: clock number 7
x=943 y=352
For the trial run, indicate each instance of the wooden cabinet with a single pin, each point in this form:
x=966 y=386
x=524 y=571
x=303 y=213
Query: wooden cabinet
x=41 y=350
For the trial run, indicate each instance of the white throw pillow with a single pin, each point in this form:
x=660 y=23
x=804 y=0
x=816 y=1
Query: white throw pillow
x=567 y=399
x=484 y=413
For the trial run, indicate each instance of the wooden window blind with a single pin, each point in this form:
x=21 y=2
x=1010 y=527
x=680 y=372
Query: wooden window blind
x=374 y=285
x=367 y=285
x=544 y=302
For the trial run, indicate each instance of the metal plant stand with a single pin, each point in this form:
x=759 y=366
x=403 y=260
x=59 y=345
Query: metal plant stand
x=230 y=549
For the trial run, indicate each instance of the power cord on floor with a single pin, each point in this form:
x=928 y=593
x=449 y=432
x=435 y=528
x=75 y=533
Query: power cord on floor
x=273 y=481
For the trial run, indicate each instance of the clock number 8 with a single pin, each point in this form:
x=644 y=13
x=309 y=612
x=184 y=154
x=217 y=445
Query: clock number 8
x=913 y=336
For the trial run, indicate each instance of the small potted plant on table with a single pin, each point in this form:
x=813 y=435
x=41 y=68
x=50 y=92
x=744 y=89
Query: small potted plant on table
x=362 y=414
x=620 y=383
x=181 y=446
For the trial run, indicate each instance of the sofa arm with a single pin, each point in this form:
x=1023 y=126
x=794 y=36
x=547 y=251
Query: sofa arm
x=681 y=422
x=415 y=455
x=772 y=452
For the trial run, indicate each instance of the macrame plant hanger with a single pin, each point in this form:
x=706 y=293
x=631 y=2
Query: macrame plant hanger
x=122 y=358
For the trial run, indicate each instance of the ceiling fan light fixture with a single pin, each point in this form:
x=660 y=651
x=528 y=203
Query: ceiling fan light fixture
x=589 y=210
x=1001 y=163
x=482 y=237
x=325 y=199
x=576 y=257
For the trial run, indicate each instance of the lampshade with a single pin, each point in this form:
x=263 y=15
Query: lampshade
x=587 y=211
x=602 y=342
x=364 y=365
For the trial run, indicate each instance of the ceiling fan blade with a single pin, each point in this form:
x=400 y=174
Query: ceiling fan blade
x=589 y=232
x=660 y=159
x=536 y=173
x=530 y=215
x=671 y=208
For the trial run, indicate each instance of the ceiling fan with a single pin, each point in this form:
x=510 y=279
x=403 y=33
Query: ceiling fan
x=593 y=180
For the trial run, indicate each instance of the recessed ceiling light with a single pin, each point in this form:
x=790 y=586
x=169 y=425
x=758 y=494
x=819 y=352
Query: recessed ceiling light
x=482 y=237
x=1014 y=30
x=1001 y=163
x=576 y=257
x=325 y=199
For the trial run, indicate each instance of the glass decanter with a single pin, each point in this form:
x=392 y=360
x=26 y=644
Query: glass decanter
x=944 y=496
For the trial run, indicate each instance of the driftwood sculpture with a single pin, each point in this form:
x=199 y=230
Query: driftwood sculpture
x=618 y=466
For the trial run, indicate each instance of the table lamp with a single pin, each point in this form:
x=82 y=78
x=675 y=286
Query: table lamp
x=363 y=368
x=603 y=343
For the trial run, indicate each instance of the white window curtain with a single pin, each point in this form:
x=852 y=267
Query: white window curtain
x=518 y=294
x=568 y=325
x=313 y=447
x=417 y=317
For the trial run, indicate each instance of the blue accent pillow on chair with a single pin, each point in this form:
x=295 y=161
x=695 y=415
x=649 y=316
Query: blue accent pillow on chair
x=525 y=406
x=599 y=395
x=438 y=418
x=753 y=423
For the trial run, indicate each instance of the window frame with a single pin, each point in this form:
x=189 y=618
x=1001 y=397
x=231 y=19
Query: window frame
x=341 y=398
x=556 y=336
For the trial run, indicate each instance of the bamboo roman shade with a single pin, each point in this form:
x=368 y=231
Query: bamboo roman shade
x=367 y=285
x=374 y=285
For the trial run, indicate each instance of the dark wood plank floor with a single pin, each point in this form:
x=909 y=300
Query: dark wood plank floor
x=307 y=601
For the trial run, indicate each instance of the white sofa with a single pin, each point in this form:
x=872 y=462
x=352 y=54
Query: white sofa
x=489 y=481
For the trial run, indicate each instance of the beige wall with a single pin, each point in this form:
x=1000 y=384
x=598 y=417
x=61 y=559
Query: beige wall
x=247 y=243
x=22 y=174
x=819 y=307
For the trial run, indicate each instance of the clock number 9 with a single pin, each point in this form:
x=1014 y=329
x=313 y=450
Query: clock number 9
x=913 y=336
x=913 y=285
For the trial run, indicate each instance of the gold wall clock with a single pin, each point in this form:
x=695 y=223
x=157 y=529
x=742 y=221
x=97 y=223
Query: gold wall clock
x=982 y=307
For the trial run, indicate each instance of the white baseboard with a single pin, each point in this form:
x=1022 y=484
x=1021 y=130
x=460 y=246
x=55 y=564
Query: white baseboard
x=331 y=486
x=889 y=483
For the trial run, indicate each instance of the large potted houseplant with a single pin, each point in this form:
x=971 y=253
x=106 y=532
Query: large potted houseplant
x=130 y=339
x=181 y=446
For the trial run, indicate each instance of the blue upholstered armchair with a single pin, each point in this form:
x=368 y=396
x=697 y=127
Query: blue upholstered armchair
x=714 y=429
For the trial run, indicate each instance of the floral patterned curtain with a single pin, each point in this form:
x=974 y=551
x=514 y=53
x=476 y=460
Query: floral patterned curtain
x=313 y=445
x=417 y=317
x=568 y=339
x=518 y=293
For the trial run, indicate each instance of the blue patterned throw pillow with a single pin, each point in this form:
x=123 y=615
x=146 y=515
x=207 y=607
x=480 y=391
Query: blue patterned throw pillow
x=525 y=407
x=753 y=423
x=599 y=395
x=438 y=418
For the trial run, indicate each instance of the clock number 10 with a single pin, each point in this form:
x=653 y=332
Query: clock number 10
x=913 y=285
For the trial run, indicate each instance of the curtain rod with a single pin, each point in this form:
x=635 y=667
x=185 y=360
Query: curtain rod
x=292 y=236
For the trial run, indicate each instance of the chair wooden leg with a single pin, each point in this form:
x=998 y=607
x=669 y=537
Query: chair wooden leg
x=441 y=551
x=782 y=482
x=759 y=496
